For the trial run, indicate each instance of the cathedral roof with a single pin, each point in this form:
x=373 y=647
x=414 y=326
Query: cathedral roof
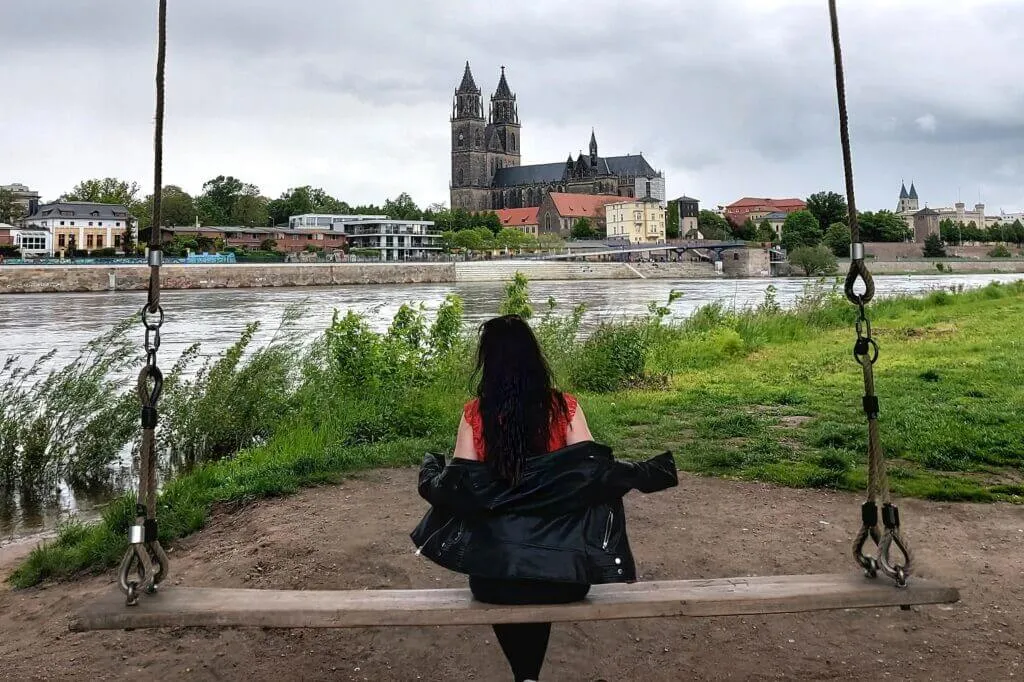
x=547 y=173
x=503 y=91
x=468 y=85
x=913 y=191
x=903 y=191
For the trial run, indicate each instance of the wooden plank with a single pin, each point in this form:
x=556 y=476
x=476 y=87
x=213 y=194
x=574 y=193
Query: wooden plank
x=228 y=607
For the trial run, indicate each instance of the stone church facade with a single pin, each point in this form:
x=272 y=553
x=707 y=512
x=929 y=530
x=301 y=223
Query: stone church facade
x=487 y=173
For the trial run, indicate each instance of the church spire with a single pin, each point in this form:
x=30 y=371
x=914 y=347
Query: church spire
x=503 y=103
x=468 y=85
x=903 y=191
x=468 y=102
x=913 y=191
x=503 y=91
x=593 y=149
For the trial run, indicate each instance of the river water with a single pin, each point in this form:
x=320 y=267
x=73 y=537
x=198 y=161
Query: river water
x=33 y=324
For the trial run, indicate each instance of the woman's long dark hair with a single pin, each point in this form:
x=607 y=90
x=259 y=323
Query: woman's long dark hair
x=518 y=401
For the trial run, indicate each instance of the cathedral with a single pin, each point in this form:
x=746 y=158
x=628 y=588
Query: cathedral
x=486 y=169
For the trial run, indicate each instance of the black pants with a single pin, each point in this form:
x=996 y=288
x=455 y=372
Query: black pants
x=525 y=644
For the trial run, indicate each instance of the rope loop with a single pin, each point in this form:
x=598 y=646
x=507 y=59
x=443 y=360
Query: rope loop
x=858 y=270
x=150 y=394
x=897 y=570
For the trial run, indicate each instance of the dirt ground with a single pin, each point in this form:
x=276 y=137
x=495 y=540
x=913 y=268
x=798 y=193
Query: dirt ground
x=355 y=535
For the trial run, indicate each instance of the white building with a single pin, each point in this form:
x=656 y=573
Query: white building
x=640 y=221
x=33 y=242
x=394 y=240
x=86 y=225
x=323 y=221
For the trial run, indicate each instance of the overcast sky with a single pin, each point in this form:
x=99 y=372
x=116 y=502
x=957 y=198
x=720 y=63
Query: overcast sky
x=729 y=98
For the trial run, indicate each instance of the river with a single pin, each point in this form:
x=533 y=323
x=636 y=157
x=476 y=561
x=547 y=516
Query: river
x=33 y=324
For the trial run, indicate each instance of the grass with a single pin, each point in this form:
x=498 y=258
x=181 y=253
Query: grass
x=759 y=394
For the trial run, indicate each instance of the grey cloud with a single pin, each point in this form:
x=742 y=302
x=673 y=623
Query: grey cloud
x=736 y=94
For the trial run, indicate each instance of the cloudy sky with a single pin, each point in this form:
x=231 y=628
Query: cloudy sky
x=729 y=98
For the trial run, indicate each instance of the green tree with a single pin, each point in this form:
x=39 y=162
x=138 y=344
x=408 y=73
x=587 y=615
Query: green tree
x=765 y=232
x=216 y=204
x=104 y=191
x=933 y=247
x=301 y=200
x=712 y=225
x=403 y=207
x=837 y=238
x=999 y=251
x=176 y=208
x=10 y=209
x=672 y=221
x=485 y=219
x=475 y=239
x=747 y=231
x=814 y=260
x=583 y=229
x=883 y=226
x=268 y=245
x=828 y=208
x=512 y=239
x=800 y=229
x=250 y=210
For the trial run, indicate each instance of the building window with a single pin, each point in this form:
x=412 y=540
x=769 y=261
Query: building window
x=117 y=241
x=72 y=223
x=88 y=241
x=60 y=240
x=459 y=177
x=90 y=223
x=513 y=141
x=62 y=222
x=117 y=224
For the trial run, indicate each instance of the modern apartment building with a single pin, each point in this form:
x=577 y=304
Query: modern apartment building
x=393 y=240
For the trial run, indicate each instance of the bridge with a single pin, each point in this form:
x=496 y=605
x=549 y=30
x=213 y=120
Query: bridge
x=588 y=250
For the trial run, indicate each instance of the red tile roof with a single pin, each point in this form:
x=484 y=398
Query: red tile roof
x=752 y=202
x=512 y=217
x=583 y=205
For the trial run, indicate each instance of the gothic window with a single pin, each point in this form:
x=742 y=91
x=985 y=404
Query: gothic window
x=479 y=139
x=460 y=177
x=513 y=141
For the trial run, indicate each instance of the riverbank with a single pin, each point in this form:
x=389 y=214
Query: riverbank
x=26 y=279
x=355 y=536
x=759 y=394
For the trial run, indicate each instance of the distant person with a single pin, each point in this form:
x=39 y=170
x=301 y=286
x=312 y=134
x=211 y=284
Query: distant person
x=530 y=507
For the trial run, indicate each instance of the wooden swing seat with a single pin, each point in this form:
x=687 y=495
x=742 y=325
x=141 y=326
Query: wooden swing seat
x=229 y=607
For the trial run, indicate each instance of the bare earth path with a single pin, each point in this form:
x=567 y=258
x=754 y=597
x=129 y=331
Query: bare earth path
x=355 y=535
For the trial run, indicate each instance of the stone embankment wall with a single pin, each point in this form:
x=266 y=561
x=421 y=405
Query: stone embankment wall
x=78 y=278
x=928 y=267
x=884 y=251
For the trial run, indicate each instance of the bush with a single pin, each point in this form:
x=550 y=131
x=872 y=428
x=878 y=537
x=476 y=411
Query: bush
x=1000 y=251
x=814 y=260
x=611 y=359
x=933 y=247
x=243 y=256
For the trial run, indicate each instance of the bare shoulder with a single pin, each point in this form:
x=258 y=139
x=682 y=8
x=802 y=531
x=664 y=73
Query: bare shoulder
x=464 y=448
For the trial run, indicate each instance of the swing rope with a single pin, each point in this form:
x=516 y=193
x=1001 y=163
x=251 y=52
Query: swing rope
x=145 y=564
x=865 y=352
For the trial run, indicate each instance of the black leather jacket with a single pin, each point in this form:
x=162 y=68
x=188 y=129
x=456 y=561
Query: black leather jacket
x=563 y=521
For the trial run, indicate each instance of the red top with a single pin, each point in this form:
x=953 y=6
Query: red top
x=558 y=432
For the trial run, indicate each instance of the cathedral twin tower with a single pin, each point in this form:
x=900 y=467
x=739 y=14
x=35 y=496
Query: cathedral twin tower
x=481 y=146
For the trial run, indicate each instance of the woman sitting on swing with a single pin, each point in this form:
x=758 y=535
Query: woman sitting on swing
x=530 y=507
